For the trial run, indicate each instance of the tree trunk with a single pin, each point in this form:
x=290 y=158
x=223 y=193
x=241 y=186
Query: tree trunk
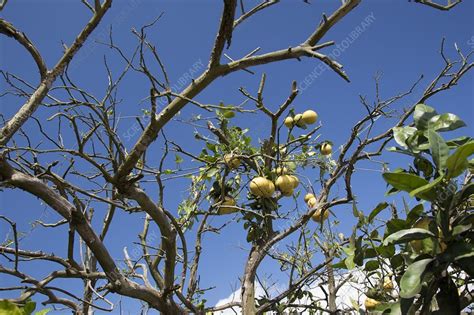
x=248 y=282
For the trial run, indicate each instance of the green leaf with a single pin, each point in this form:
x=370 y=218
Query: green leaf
x=377 y=210
x=349 y=261
x=423 y=165
x=418 y=142
x=395 y=225
x=403 y=236
x=459 y=252
x=401 y=134
x=9 y=308
x=422 y=115
x=408 y=182
x=410 y=283
x=457 y=162
x=400 y=150
x=446 y=122
x=29 y=307
x=386 y=251
x=228 y=114
x=178 y=159
x=43 y=312
x=340 y=265
x=456 y=142
x=459 y=229
x=397 y=261
x=372 y=265
x=415 y=213
x=349 y=251
x=426 y=189
x=211 y=146
x=439 y=149
x=467 y=191
x=406 y=305
x=392 y=308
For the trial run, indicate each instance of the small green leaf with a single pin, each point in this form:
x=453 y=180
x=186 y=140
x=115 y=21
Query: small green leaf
x=178 y=159
x=372 y=265
x=377 y=210
x=415 y=213
x=406 y=235
x=410 y=283
x=423 y=165
x=29 y=307
x=386 y=251
x=349 y=261
x=43 y=312
x=228 y=114
x=457 y=162
x=340 y=265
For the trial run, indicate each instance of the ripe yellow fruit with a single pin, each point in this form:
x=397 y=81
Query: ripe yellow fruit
x=326 y=148
x=319 y=217
x=289 y=122
x=262 y=187
x=231 y=161
x=310 y=117
x=387 y=284
x=281 y=171
x=371 y=303
x=308 y=196
x=284 y=183
x=294 y=180
x=227 y=206
x=298 y=120
x=312 y=202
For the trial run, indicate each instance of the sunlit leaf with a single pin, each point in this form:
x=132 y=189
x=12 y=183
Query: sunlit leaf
x=439 y=149
x=406 y=235
x=401 y=134
x=446 y=122
x=422 y=115
x=457 y=162
x=410 y=283
x=408 y=182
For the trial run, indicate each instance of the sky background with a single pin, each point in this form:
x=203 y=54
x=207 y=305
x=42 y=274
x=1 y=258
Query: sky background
x=401 y=41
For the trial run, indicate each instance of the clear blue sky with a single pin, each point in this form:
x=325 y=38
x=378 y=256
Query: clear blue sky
x=402 y=42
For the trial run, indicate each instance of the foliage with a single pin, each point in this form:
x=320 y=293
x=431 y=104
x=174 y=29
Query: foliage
x=430 y=252
x=10 y=308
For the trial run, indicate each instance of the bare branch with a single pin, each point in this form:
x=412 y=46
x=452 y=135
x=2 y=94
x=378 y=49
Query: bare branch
x=225 y=32
x=37 y=97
